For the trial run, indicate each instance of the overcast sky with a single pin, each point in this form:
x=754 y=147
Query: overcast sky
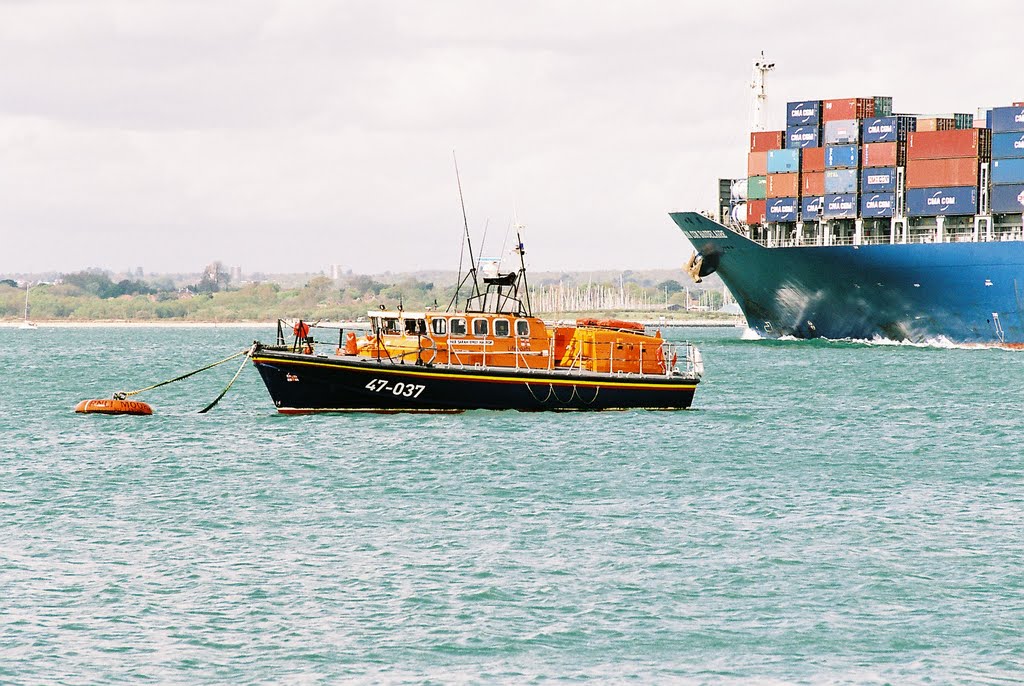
x=287 y=136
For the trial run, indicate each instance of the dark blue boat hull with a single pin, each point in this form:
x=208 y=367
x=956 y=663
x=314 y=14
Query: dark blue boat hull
x=960 y=292
x=300 y=384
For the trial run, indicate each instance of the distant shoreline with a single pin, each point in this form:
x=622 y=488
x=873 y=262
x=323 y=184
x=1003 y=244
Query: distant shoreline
x=98 y=324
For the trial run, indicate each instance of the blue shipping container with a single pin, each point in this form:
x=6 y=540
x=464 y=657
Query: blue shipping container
x=932 y=202
x=783 y=161
x=782 y=209
x=1007 y=119
x=842 y=131
x=877 y=205
x=803 y=113
x=810 y=205
x=840 y=181
x=1007 y=199
x=841 y=156
x=841 y=206
x=803 y=137
x=1007 y=145
x=1008 y=170
x=878 y=180
x=888 y=129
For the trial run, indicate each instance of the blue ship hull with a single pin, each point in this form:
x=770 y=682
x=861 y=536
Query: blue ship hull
x=925 y=292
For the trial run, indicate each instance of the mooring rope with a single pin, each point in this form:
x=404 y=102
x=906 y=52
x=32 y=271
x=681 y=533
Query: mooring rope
x=248 y=354
x=121 y=395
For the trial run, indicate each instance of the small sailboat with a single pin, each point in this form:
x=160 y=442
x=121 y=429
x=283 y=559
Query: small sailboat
x=27 y=323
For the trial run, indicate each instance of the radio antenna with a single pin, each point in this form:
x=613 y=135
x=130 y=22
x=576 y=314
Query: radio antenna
x=468 y=244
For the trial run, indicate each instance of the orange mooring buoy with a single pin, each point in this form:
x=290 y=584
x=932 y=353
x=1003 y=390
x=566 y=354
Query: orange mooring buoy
x=113 y=406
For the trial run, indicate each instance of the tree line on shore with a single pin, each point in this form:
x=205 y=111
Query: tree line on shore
x=92 y=295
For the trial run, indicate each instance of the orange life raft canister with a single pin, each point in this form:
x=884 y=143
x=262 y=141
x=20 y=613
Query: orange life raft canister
x=113 y=406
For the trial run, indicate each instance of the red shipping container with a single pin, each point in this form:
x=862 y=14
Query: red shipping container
x=813 y=184
x=783 y=186
x=930 y=145
x=880 y=155
x=956 y=171
x=757 y=163
x=761 y=141
x=755 y=211
x=847 y=108
x=813 y=160
x=935 y=123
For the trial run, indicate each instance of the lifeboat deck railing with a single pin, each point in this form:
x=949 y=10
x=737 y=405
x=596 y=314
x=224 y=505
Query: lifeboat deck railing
x=670 y=357
x=674 y=359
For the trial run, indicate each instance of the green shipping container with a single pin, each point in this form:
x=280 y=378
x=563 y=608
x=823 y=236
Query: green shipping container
x=757 y=187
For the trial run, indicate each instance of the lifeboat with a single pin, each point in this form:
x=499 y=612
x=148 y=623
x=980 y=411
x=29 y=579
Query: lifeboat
x=493 y=354
x=113 y=406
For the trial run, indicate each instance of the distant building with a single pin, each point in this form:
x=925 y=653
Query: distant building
x=236 y=274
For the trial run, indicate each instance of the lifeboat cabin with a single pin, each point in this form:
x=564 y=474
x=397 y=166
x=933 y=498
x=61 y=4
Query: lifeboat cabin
x=497 y=330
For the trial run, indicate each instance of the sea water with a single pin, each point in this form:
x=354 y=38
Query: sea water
x=826 y=513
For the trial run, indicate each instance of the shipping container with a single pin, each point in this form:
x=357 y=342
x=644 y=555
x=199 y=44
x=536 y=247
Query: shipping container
x=963 y=121
x=1007 y=145
x=782 y=186
x=803 y=137
x=812 y=207
x=847 y=108
x=1007 y=199
x=885 y=154
x=839 y=181
x=875 y=205
x=783 y=161
x=924 y=145
x=756 y=187
x=841 y=156
x=840 y=206
x=842 y=131
x=883 y=106
x=935 y=124
x=1008 y=171
x=812 y=183
x=755 y=211
x=887 y=129
x=933 y=202
x=812 y=159
x=941 y=173
x=806 y=113
x=783 y=210
x=878 y=180
x=1007 y=119
x=757 y=163
x=767 y=140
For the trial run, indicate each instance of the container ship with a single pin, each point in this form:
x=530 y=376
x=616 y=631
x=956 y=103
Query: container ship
x=856 y=222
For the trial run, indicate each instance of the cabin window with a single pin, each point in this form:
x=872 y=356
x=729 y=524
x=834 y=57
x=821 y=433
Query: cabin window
x=501 y=327
x=458 y=326
x=479 y=327
x=439 y=325
x=391 y=325
x=415 y=327
x=522 y=327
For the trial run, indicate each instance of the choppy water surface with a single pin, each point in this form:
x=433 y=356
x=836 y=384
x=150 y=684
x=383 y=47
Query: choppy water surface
x=827 y=513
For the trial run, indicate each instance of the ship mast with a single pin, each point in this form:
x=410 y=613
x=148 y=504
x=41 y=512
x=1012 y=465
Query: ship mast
x=760 y=95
